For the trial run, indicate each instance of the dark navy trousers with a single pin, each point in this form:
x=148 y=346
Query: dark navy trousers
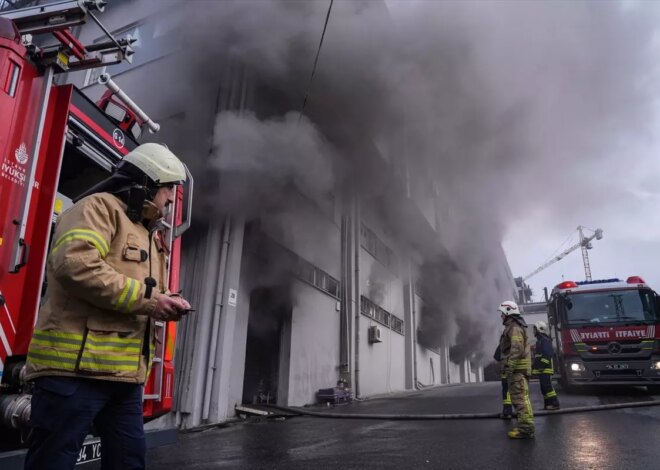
x=63 y=411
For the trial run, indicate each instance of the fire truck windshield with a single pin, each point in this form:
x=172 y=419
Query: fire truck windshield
x=607 y=307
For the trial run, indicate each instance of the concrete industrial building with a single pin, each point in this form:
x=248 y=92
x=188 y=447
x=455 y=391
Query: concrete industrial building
x=300 y=293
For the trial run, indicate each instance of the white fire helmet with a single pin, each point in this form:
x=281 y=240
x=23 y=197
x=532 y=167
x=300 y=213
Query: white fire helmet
x=541 y=327
x=158 y=163
x=508 y=307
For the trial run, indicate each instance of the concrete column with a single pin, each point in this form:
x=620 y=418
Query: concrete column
x=409 y=329
x=194 y=331
x=227 y=387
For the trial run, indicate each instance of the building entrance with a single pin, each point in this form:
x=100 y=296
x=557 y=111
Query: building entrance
x=266 y=377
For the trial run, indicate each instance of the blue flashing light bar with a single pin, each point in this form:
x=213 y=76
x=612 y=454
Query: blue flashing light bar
x=598 y=281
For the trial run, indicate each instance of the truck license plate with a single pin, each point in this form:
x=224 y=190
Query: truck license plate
x=616 y=366
x=90 y=452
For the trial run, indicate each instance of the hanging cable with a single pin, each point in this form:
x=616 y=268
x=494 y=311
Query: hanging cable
x=316 y=61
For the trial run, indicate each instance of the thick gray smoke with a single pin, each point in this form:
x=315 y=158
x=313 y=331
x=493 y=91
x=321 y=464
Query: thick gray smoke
x=505 y=105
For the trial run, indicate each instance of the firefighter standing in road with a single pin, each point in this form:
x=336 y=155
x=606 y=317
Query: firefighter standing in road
x=94 y=340
x=507 y=407
x=517 y=365
x=542 y=365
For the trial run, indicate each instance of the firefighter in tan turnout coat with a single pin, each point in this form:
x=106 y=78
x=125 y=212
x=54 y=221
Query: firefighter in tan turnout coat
x=93 y=343
x=516 y=364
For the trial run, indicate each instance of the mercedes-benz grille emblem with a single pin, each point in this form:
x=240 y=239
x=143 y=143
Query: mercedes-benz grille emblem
x=614 y=348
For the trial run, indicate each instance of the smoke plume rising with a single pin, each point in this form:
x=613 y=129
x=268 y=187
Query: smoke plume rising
x=504 y=106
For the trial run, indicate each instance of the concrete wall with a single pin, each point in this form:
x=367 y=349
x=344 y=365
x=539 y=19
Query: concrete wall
x=456 y=373
x=429 y=366
x=310 y=233
x=314 y=358
x=382 y=365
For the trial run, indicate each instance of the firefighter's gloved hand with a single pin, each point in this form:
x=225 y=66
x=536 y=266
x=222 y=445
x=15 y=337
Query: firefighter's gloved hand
x=184 y=307
x=507 y=370
x=183 y=303
x=168 y=308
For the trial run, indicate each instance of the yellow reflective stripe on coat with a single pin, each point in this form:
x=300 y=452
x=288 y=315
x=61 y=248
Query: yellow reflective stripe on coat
x=98 y=342
x=55 y=349
x=53 y=358
x=103 y=362
x=129 y=295
x=57 y=339
x=545 y=361
x=520 y=362
x=98 y=354
x=547 y=371
x=91 y=236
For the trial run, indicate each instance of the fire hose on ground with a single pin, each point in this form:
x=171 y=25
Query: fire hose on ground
x=431 y=417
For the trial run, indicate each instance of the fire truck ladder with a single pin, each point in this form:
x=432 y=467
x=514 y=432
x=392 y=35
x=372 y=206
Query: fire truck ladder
x=170 y=232
x=160 y=327
x=68 y=54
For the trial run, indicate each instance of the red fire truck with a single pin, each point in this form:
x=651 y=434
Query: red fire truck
x=606 y=332
x=54 y=144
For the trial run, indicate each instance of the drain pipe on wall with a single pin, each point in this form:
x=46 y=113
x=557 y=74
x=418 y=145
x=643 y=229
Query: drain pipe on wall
x=217 y=312
x=345 y=307
x=413 y=326
x=356 y=289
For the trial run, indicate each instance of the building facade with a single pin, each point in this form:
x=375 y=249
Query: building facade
x=296 y=290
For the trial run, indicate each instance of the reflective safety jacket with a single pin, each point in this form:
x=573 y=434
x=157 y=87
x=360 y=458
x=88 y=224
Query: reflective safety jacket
x=543 y=356
x=514 y=347
x=95 y=320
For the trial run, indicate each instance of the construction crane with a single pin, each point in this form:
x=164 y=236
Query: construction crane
x=584 y=244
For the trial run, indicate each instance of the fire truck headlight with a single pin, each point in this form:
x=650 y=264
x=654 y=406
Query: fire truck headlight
x=656 y=365
x=576 y=367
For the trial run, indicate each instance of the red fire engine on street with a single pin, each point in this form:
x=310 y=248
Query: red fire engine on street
x=606 y=332
x=55 y=144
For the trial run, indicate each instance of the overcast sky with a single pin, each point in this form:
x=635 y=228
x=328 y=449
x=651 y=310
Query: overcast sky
x=625 y=203
x=587 y=151
x=586 y=73
x=622 y=197
x=631 y=238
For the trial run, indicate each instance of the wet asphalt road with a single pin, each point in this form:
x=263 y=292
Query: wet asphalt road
x=617 y=439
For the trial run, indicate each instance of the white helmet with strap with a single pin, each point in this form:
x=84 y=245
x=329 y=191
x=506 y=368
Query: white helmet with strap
x=158 y=163
x=541 y=327
x=509 y=307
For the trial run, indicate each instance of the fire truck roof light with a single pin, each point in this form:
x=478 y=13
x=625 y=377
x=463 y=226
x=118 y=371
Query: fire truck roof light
x=566 y=285
x=598 y=281
x=635 y=280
